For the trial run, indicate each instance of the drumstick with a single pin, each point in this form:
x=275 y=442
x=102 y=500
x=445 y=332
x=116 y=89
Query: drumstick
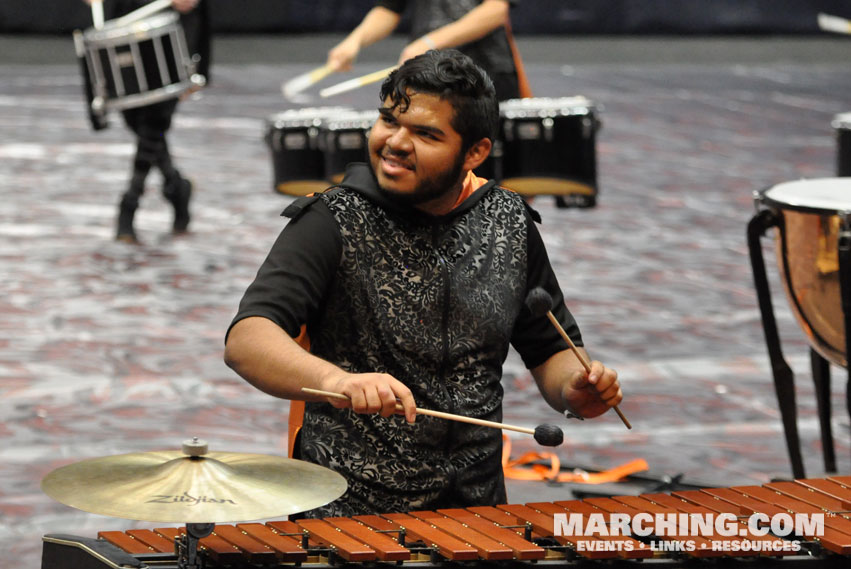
x=546 y=435
x=357 y=82
x=97 y=13
x=540 y=302
x=300 y=83
x=836 y=24
x=143 y=12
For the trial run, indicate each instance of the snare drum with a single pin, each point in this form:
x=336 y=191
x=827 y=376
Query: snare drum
x=842 y=124
x=813 y=212
x=548 y=146
x=133 y=65
x=293 y=138
x=344 y=140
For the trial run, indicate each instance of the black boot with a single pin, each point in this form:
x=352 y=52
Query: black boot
x=126 y=211
x=178 y=191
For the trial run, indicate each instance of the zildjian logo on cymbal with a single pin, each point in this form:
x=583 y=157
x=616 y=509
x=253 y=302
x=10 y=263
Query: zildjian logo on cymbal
x=186 y=497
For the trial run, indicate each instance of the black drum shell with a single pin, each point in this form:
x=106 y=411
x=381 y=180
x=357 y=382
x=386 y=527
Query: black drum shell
x=345 y=139
x=547 y=146
x=294 y=141
x=842 y=127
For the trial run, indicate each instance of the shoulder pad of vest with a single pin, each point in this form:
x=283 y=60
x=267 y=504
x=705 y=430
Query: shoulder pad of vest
x=533 y=213
x=302 y=204
x=299 y=206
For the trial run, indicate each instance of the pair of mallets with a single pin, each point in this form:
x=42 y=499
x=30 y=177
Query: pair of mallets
x=291 y=89
x=539 y=303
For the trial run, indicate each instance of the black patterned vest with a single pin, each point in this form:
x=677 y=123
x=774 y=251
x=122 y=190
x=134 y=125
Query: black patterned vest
x=431 y=301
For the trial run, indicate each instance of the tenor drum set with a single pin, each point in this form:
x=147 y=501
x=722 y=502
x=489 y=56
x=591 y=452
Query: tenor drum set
x=311 y=146
x=545 y=146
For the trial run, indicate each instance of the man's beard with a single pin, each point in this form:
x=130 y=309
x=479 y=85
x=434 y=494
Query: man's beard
x=428 y=189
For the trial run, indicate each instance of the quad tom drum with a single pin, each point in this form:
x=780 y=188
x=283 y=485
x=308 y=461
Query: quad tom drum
x=293 y=138
x=344 y=140
x=548 y=146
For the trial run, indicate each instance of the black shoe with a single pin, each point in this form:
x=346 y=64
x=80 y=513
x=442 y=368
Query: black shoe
x=561 y=203
x=178 y=194
x=126 y=211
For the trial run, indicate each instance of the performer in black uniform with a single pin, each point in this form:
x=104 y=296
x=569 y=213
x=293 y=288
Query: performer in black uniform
x=478 y=28
x=151 y=123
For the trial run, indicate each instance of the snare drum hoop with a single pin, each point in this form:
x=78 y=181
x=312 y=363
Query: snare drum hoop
x=153 y=26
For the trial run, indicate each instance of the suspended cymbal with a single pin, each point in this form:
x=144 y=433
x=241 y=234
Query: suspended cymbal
x=172 y=486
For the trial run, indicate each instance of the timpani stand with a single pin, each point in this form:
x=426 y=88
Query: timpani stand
x=813 y=223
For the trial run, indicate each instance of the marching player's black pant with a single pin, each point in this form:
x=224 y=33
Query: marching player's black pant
x=150 y=125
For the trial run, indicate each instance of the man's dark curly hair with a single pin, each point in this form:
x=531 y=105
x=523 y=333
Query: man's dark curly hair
x=452 y=76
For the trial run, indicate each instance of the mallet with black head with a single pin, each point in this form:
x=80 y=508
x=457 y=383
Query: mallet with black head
x=540 y=303
x=545 y=435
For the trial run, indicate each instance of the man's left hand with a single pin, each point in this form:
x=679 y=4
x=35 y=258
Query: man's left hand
x=592 y=394
x=413 y=49
x=184 y=6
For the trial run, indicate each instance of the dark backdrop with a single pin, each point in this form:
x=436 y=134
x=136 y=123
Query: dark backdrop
x=529 y=17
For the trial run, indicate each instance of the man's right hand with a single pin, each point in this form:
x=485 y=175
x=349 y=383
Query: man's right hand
x=181 y=6
x=372 y=393
x=343 y=55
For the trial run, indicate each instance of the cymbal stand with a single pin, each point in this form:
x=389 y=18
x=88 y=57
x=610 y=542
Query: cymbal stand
x=186 y=546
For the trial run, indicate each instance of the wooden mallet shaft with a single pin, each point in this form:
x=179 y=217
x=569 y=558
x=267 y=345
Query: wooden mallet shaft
x=356 y=83
x=429 y=412
x=585 y=363
x=539 y=303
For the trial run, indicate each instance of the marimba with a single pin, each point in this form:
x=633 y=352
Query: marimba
x=508 y=535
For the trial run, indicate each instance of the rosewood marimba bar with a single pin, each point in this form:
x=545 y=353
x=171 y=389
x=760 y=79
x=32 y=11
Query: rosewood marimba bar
x=509 y=535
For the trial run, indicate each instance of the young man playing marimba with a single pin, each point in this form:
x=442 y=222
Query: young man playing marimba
x=410 y=279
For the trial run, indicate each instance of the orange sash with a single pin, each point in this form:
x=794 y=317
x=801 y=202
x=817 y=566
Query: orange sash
x=532 y=466
x=522 y=80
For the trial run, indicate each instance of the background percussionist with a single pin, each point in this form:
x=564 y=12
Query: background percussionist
x=151 y=123
x=410 y=280
x=478 y=28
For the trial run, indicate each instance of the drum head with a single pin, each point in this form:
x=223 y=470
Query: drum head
x=545 y=107
x=828 y=196
x=352 y=120
x=113 y=31
x=842 y=121
x=304 y=117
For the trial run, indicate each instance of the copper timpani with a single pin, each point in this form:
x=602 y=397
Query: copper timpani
x=507 y=535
